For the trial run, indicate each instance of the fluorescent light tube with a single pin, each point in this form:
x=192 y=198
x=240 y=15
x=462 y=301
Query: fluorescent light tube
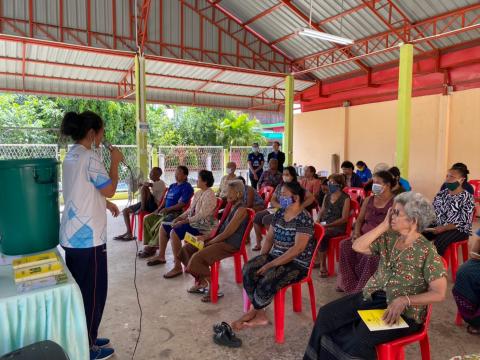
x=324 y=36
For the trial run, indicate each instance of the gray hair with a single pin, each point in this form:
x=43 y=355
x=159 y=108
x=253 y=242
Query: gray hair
x=380 y=167
x=417 y=208
x=237 y=185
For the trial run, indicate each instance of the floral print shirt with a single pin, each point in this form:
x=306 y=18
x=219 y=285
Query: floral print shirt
x=284 y=233
x=404 y=272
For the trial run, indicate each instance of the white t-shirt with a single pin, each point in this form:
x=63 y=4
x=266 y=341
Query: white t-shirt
x=158 y=190
x=84 y=219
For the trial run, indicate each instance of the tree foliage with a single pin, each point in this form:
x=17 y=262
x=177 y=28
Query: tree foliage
x=188 y=126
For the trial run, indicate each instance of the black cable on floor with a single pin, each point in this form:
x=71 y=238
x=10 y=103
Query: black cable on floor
x=138 y=297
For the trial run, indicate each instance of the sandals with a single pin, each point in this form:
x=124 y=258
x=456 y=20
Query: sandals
x=473 y=330
x=156 y=262
x=124 y=237
x=224 y=336
x=324 y=274
x=198 y=290
x=206 y=298
x=145 y=254
x=170 y=275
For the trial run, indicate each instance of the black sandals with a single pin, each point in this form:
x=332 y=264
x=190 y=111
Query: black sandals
x=224 y=336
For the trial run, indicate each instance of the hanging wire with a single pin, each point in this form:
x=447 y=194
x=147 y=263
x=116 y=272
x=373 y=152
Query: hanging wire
x=310 y=18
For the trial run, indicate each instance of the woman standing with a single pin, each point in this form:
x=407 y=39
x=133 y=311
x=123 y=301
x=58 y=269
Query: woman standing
x=83 y=229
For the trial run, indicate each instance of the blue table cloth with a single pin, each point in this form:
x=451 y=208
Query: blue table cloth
x=53 y=313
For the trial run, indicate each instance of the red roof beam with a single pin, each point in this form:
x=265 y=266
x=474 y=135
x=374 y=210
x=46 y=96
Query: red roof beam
x=262 y=14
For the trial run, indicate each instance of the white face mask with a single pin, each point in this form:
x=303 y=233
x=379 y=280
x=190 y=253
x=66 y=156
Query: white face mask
x=230 y=171
x=377 y=189
x=255 y=149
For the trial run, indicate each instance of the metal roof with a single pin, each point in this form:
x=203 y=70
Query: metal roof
x=227 y=53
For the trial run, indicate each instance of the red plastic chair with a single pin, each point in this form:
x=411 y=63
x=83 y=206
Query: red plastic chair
x=217 y=208
x=141 y=215
x=476 y=188
x=451 y=254
x=237 y=259
x=394 y=350
x=279 y=300
x=357 y=194
x=266 y=192
x=333 y=253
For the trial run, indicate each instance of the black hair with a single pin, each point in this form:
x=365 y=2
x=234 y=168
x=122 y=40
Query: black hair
x=395 y=171
x=313 y=170
x=347 y=165
x=255 y=143
x=361 y=163
x=207 y=176
x=184 y=169
x=296 y=189
x=157 y=169
x=78 y=125
x=277 y=142
x=242 y=179
x=462 y=169
x=293 y=173
x=387 y=178
x=324 y=181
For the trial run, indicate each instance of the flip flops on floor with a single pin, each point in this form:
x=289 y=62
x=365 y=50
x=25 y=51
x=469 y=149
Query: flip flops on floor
x=224 y=336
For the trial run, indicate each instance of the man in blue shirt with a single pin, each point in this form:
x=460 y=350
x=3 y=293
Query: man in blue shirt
x=255 y=165
x=178 y=196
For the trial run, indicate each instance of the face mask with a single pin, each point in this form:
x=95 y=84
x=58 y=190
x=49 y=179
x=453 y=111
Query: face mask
x=377 y=189
x=360 y=169
x=333 y=188
x=286 y=201
x=255 y=149
x=230 y=171
x=286 y=179
x=452 y=186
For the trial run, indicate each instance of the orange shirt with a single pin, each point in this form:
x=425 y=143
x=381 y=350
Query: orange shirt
x=313 y=186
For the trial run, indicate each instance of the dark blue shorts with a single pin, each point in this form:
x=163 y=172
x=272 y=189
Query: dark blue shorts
x=181 y=230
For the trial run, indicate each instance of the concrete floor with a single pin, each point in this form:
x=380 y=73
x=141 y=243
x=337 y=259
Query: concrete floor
x=178 y=326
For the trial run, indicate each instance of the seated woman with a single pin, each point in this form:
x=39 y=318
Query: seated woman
x=285 y=256
x=467 y=289
x=311 y=182
x=454 y=208
x=197 y=220
x=225 y=244
x=466 y=185
x=226 y=179
x=410 y=276
x=402 y=184
x=333 y=216
x=251 y=197
x=355 y=269
x=363 y=171
x=264 y=218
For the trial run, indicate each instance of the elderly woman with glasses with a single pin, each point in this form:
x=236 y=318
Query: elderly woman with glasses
x=409 y=277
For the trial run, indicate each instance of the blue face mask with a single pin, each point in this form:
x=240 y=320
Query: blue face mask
x=333 y=188
x=286 y=201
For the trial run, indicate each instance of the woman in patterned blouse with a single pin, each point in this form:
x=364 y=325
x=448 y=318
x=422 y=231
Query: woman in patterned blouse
x=454 y=209
x=285 y=257
x=409 y=277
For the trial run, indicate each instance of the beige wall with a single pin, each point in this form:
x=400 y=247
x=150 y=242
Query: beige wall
x=445 y=129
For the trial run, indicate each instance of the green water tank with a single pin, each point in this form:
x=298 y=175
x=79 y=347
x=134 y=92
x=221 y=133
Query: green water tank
x=29 y=213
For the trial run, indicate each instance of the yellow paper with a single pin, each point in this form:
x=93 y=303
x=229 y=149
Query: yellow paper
x=38 y=272
x=34 y=260
x=373 y=320
x=192 y=240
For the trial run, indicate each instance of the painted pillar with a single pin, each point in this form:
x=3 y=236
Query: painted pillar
x=288 y=129
x=142 y=126
x=404 y=108
x=226 y=159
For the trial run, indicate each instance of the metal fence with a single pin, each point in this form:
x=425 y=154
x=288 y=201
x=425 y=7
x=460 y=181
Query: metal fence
x=168 y=158
x=196 y=158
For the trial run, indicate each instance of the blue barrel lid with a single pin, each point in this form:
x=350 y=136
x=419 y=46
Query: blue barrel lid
x=17 y=163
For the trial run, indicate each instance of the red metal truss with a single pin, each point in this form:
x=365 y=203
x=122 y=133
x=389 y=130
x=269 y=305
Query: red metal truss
x=262 y=14
x=250 y=46
x=344 y=50
x=143 y=25
x=454 y=22
x=393 y=18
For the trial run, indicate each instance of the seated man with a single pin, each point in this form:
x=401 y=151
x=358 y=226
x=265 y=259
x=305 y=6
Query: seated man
x=352 y=179
x=151 y=196
x=178 y=195
x=272 y=177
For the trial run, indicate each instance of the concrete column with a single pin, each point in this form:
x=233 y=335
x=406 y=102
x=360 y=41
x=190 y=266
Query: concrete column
x=142 y=126
x=404 y=108
x=226 y=159
x=288 y=132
